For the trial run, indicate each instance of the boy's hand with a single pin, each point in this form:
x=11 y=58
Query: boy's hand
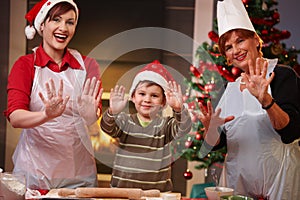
x=117 y=100
x=174 y=96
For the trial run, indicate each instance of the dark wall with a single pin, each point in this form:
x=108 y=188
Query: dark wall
x=4 y=60
x=289 y=20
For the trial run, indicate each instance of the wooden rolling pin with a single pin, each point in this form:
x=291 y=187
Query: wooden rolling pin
x=128 y=193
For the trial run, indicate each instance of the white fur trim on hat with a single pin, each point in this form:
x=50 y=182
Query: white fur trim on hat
x=231 y=14
x=148 y=76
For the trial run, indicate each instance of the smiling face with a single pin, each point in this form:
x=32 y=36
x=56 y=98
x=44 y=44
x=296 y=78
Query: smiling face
x=58 y=30
x=240 y=46
x=148 y=99
x=239 y=50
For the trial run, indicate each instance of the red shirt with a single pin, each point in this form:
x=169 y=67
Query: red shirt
x=21 y=76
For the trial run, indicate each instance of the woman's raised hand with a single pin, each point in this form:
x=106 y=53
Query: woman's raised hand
x=55 y=104
x=89 y=100
x=256 y=81
x=211 y=121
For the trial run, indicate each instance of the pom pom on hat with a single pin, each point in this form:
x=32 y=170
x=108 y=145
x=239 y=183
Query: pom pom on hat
x=231 y=14
x=30 y=32
x=154 y=72
x=37 y=14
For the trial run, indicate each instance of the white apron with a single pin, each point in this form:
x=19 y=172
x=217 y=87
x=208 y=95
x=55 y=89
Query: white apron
x=257 y=163
x=57 y=153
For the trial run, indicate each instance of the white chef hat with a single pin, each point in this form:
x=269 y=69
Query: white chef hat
x=231 y=14
x=37 y=14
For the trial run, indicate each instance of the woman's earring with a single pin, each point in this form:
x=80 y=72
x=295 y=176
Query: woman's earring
x=228 y=62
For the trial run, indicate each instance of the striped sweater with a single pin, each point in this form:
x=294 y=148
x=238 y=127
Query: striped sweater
x=143 y=159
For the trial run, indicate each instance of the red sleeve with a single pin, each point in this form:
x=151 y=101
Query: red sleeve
x=19 y=84
x=93 y=70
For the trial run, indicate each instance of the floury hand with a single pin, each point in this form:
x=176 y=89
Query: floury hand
x=89 y=101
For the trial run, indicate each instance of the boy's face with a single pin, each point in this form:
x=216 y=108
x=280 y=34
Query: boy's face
x=148 y=100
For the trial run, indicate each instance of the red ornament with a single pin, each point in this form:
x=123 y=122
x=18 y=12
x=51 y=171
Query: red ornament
x=209 y=87
x=198 y=136
x=264 y=32
x=236 y=71
x=246 y=1
x=285 y=34
x=188 y=174
x=276 y=15
x=213 y=36
x=195 y=71
x=188 y=143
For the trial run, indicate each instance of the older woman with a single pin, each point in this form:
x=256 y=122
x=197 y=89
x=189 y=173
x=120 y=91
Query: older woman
x=258 y=115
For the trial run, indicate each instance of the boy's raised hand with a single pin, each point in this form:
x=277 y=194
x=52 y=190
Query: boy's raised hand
x=117 y=100
x=174 y=96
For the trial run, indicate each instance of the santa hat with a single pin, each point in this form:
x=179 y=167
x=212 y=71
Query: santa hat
x=231 y=14
x=154 y=72
x=37 y=14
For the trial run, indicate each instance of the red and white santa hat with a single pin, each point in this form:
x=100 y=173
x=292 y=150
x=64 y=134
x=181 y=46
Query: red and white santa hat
x=37 y=14
x=154 y=72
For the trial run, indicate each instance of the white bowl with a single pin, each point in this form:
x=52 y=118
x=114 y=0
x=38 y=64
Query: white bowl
x=213 y=194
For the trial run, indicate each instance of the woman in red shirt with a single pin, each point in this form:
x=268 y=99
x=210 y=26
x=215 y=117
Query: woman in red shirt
x=53 y=94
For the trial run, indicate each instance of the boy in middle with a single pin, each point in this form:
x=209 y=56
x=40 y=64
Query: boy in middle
x=143 y=159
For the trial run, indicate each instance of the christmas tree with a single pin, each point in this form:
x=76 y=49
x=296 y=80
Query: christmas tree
x=209 y=77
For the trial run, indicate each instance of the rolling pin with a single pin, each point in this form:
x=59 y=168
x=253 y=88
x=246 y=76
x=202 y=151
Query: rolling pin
x=128 y=193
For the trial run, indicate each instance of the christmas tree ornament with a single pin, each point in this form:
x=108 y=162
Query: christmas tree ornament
x=236 y=71
x=264 y=32
x=209 y=87
x=213 y=36
x=195 y=71
x=285 y=34
x=187 y=144
x=276 y=16
x=188 y=174
x=198 y=136
x=276 y=49
x=216 y=47
x=246 y=2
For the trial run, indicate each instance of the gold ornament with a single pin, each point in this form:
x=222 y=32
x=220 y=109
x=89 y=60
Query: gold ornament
x=216 y=47
x=276 y=49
